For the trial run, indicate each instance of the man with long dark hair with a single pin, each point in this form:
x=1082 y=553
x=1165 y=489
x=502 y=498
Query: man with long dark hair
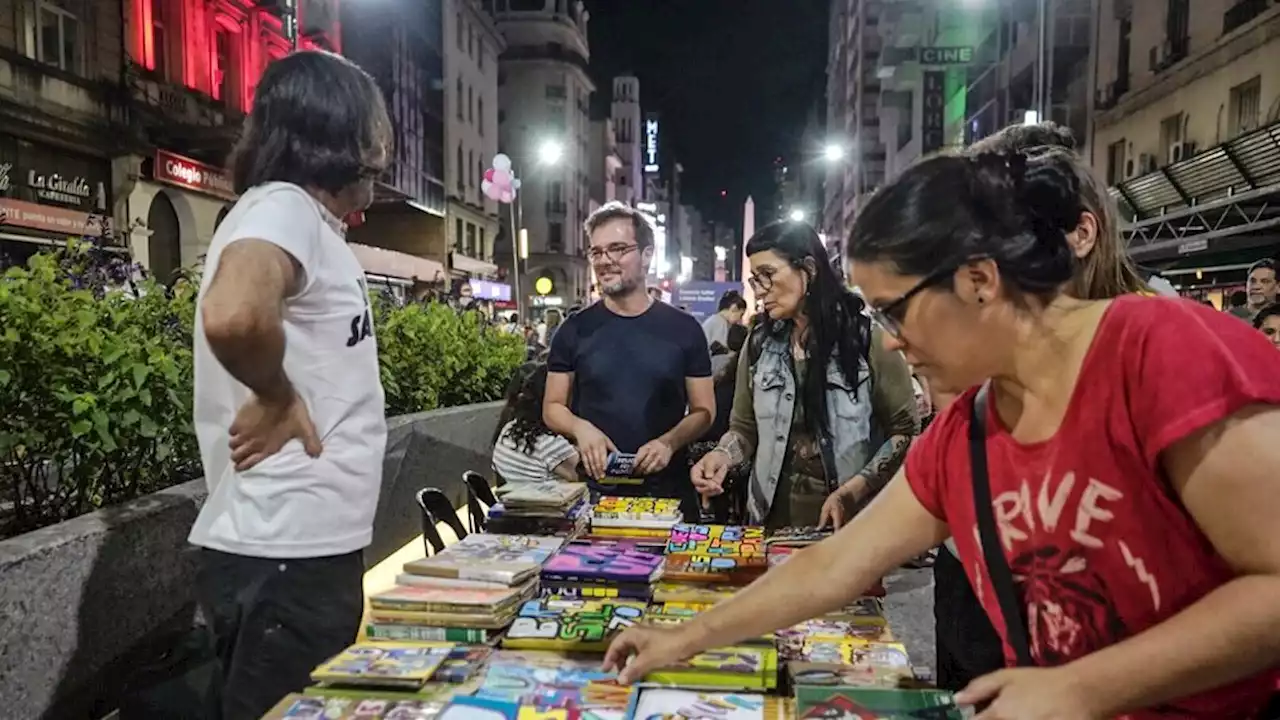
x=629 y=373
x=285 y=357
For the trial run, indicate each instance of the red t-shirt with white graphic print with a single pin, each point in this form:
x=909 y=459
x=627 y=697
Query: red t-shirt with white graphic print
x=1099 y=544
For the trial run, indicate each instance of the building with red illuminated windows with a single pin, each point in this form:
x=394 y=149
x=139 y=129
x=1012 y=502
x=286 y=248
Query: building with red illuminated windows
x=188 y=79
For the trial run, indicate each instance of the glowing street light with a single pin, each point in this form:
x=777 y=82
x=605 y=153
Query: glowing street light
x=550 y=152
x=798 y=215
x=833 y=152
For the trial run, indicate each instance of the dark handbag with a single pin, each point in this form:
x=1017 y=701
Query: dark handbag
x=992 y=548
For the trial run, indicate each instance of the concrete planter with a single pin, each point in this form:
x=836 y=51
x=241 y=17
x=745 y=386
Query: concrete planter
x=84 y=602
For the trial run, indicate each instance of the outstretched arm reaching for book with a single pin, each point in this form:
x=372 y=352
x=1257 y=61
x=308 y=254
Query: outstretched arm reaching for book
x=823 y=578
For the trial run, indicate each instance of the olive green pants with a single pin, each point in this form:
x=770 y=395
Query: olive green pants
x=798 y=502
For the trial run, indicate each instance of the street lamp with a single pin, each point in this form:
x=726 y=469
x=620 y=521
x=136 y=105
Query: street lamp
x=833 y=152
x=549 y=152
x=798 y=215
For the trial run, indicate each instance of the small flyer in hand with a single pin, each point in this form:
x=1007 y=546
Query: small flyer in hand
x=620 y=467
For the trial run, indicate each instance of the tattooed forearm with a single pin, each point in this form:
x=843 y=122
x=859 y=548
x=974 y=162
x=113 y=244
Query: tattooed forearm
x=733 y=446
x=886 y=462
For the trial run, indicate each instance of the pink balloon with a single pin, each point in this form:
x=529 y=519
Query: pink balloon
x=493 y=192
x=501 y=178
x=507 y=196
x=488 y=174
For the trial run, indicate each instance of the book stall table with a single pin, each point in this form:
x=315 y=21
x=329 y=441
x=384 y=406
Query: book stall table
x=514 y=625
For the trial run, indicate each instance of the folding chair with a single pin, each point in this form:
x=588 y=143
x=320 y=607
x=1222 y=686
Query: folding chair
x=431 y=540
x=478 y=492
x=443 y=510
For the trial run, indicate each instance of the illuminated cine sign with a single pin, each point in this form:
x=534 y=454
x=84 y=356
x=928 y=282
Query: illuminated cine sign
x=651 y=144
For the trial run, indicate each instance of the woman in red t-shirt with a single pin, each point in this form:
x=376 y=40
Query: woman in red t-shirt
x=1131 y=453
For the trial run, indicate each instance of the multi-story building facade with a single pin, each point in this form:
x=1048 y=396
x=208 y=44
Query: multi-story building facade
x=62 y=120
x=605 y=166
x=1187 y=129
x=472 y=47
x=853 y=110
x=544 y=90
x=403 y=49
x=189 y=78
x=628 y=126
x=953 y=74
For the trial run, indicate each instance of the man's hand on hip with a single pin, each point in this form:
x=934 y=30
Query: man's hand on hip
x=263 y=426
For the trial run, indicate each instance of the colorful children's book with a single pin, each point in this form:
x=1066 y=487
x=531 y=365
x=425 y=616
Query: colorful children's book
x=636 y=512
x=744 y=545
x=406 y=665
x=813 y=701
x=615 y=561
x=555 y=623
x=440 y=620
x=509 y=559
x=464 y=663
x=730 y=668
x=556 y=680
x=656 y=703
x=672 y=614
x=851 y=651
x=300 y=707
x=792 y=641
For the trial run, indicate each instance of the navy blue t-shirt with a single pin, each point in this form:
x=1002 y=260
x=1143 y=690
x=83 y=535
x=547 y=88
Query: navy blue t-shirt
x=629 y=378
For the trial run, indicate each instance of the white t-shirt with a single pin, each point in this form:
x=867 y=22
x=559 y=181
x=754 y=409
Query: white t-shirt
x=291 y=505
x=516 y=466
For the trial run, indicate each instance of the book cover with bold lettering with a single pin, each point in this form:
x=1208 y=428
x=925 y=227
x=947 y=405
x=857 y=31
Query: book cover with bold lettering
x=556 y=623
x=617 y=561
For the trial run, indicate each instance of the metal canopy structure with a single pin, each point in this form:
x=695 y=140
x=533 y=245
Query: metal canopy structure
x=1228 y=191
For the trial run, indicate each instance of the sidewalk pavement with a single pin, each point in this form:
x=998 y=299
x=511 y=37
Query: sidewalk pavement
x=909 y=608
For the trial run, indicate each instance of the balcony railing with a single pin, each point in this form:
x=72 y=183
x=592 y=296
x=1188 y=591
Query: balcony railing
x=1241 y=13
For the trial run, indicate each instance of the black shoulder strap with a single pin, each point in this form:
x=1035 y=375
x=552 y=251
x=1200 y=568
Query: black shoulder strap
x=992 y=548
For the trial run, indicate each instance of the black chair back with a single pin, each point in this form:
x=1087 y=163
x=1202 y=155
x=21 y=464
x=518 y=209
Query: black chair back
x=478 y=491
x=431 y=539
x=444 y=511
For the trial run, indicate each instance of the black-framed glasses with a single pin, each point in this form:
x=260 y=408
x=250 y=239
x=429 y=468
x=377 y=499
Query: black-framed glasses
x=614 y=252
x=889 y=316
x=760 y=283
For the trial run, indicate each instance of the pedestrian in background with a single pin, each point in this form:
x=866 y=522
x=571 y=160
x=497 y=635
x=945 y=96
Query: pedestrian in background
x=728 y=313
x=284 y=356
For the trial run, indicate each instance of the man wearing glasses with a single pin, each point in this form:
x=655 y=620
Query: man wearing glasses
x=629 y=374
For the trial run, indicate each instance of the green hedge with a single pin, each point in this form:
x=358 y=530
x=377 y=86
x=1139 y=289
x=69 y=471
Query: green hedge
x=95 y=384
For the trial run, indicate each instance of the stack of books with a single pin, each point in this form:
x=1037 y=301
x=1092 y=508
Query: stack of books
x=784 y=543
x=838 y=637
x=598 y=568
x=467 y=593
x=426 y=612
x=634 y=517
x=549 y=508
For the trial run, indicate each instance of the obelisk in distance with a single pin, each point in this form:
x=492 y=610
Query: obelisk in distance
x=744 y=268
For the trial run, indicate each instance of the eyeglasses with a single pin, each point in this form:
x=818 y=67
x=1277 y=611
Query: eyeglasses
x=613 y=252
x=889 y=317
x=761 y=282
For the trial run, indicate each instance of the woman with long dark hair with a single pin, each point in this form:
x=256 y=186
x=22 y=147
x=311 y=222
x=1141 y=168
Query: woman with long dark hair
x=823 y=411
x=525 y=449
x=1128 y=556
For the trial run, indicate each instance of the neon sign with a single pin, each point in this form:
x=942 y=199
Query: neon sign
x=651 y=144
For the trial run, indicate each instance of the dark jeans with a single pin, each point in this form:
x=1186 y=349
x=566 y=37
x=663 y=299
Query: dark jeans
x=968 y=645
x=273 y=621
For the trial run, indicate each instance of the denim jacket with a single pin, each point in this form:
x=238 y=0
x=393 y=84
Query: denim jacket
x=849 y=418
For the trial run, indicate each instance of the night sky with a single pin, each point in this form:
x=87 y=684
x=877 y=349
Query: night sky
x=734 y=81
